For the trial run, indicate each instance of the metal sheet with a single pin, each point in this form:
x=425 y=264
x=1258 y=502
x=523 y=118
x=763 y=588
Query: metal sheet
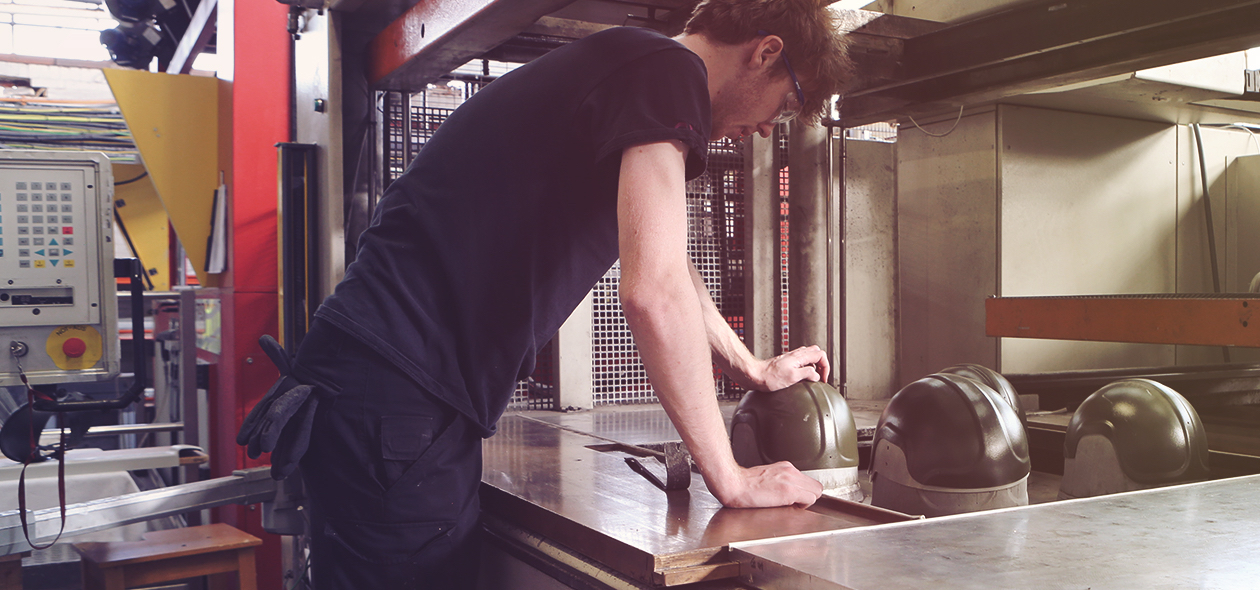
x=1192 y=536
x=546 y=479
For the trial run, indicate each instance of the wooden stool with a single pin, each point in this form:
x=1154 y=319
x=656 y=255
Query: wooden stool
x=214 y=550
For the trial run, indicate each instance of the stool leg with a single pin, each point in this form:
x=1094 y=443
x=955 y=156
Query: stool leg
x=245 y=570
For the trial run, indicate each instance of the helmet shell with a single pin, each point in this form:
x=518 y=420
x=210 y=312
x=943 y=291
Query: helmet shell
x=995 y=381
x=954 y=433
x=808 y=424
x=1156 y=434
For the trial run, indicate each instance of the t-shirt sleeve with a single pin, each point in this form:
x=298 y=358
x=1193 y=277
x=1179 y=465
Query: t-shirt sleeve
x=661 y=96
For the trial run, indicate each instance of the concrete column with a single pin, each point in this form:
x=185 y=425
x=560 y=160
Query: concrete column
x=808 y=174
x=761 y=246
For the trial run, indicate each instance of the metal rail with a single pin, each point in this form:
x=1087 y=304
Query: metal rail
x=248 y=486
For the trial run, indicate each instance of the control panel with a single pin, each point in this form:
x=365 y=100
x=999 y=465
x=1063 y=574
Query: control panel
x=58 y=301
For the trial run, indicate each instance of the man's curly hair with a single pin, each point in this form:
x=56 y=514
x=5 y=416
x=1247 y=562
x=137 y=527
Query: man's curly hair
x=818 y=51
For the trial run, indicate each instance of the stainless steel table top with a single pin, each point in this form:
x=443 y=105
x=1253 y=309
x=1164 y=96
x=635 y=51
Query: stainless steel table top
x=547 y=473
x=1204 y=535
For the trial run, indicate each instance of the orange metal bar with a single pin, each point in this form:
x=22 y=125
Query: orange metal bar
x=1208 y=320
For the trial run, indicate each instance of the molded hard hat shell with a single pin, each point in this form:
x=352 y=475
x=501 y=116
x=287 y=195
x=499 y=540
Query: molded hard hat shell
x=808 y=424
x=955 y=433
x=1156 y=433
x=994 y=380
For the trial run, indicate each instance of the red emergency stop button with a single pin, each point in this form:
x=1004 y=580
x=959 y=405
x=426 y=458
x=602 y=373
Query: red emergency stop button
x=74 y=347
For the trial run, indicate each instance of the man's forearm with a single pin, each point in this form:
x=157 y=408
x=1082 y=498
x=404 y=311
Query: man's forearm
x=729 y=352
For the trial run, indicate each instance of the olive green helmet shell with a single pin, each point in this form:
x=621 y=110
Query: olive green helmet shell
x=953 y=433
x=808 y=424
x=1157 y=435
x=995 y=381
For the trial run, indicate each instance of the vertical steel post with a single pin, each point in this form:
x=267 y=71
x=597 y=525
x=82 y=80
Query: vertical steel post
x=761 y=248
x=808 y=167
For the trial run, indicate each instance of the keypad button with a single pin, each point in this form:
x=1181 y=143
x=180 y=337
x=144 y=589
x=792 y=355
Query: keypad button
x=66 y=208
x=67 y=219
x=23 y=219
x=21 y=196
x=24 y=252
x=67 y=230
x=37 y=196
x=38 y=230
x=39 y=241
x=40 y=264
x=65 y=186
x=23 y=230
x=35 y=219
x=54 y=252
x=35 y=186
x=68 y=241
x=20 y=186
x=69 y=263
x=24 y=264
x=37 y=208
x=66 y=197
x=22 y=208
x=24 y=241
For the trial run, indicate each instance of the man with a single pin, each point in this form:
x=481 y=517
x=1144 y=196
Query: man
x=509 y=215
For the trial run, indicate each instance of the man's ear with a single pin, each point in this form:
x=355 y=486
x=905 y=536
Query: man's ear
x=766 y=52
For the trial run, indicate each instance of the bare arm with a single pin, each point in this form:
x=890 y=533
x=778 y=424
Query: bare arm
x=669 y=326
x=729 y=352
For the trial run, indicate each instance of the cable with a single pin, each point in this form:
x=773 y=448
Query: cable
x=129 y=181
x=1207 y=209
x=951 y=129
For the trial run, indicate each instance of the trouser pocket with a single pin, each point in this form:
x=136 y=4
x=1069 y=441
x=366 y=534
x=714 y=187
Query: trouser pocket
x=361 y=555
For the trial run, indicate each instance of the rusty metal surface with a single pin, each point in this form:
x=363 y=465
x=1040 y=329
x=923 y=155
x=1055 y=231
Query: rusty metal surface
x=544 y=477
x=1212 y=320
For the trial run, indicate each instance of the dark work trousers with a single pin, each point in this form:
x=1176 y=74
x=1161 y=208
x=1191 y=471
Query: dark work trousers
x=392 y=475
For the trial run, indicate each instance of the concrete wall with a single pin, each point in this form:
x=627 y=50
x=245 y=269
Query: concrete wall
x=1028 y=201
x=870 y=271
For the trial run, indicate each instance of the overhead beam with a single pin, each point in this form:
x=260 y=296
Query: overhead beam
x=1046 y=44
x=435 y=37
x=195 y=38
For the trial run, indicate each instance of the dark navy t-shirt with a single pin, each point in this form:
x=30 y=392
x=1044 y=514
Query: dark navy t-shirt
x=508 y=215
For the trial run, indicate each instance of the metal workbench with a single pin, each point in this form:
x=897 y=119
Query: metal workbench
x=1201 y=535
x=561 y=480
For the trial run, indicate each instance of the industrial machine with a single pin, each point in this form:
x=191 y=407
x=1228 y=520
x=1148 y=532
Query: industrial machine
x=58 y=310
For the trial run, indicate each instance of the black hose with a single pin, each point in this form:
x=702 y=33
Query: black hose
x=1211 y=228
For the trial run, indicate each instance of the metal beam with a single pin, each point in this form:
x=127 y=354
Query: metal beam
x=195 y=37
x=436 y=36
x=248 y=486
x=1050 y=43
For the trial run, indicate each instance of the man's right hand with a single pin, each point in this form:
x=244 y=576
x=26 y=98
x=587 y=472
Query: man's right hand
x=764 y=486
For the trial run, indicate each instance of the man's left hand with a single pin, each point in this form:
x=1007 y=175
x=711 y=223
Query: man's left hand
x=807 y=363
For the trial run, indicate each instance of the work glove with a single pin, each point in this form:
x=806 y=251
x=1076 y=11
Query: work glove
x=281 y=422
